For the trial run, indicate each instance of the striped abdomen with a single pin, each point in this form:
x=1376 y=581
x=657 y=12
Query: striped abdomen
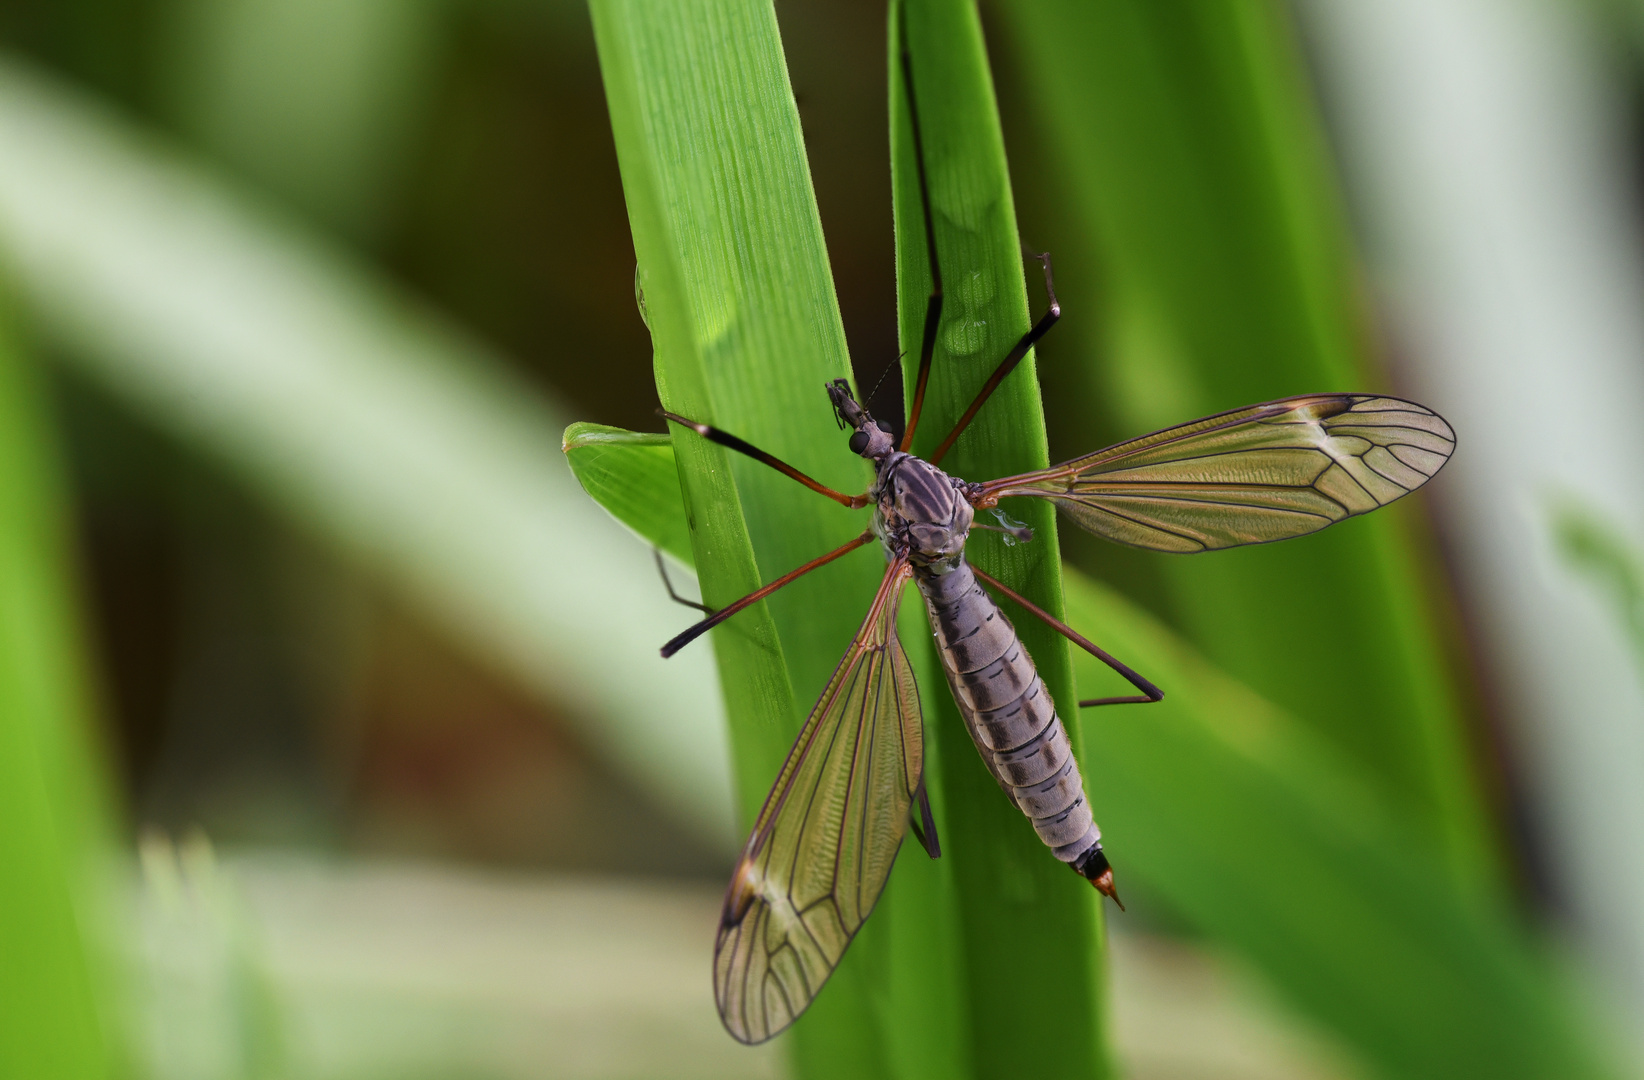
x=1011 y=716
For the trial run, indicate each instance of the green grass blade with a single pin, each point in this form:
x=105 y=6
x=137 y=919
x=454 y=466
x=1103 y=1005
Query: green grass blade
x=1259 y=832
x=746 y=328
x=1025 y=920
x=1188 y=155
x=53 y=851
x=632 y=474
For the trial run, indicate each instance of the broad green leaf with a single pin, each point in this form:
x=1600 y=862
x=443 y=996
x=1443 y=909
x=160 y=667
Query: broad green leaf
x=54 y=850
x=632 y=474
x=1190 y=170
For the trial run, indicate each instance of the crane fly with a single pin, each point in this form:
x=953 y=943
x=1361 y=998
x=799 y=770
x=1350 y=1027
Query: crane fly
x=822 y=847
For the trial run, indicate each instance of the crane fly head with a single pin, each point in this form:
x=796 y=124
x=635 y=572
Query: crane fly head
x=868 y=439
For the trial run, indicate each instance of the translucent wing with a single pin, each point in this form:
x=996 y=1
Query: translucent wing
x=1266 y=472
x=827 y=835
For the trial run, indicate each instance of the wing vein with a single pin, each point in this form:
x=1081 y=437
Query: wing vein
x=826 y=838
x=1246 y=476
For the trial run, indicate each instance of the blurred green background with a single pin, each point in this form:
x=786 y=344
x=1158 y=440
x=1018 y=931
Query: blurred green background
x=333 y=739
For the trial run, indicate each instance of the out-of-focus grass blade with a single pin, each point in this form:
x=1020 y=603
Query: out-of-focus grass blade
x=360 y=415
x=1259 y=833
x=746 y=327
x=300 y=965
x=1003 y=875
x=208 y=1003
x=1459 y=122
x=1595 y=549
x=314 y=100
x=1188 y=154
x=632 y=474
x=53 y=992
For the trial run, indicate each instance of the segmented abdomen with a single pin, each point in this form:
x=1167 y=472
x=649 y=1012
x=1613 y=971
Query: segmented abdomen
x=1010 y=715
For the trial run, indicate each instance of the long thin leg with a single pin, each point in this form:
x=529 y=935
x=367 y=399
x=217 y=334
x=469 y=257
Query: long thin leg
x=933 y=305
x=1150 y=692
x=725 y=438
x=1008 y=365
x=757 y=595
x=666 y=584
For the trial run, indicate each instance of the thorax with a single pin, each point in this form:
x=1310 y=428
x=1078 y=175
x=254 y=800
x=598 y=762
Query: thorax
x=921 y=508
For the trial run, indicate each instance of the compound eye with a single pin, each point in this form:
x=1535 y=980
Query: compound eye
x=859 y=442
